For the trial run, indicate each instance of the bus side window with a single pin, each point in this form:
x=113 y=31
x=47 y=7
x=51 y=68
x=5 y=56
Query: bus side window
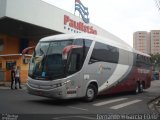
x=78 y=55
x=74 y=65
x=138 y=60
x=76 y=60
x=98 y=53
x=104 y=53
x=148 y=61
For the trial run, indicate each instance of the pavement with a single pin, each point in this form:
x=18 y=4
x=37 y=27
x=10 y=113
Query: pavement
x=7 y=85
x=155 y=103
x=158 y=106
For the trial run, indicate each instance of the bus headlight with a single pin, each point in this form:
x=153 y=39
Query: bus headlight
x=68 y=81
x=60 y=84
x=57 y=85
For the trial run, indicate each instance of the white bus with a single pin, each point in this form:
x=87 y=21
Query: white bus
x=82 y=65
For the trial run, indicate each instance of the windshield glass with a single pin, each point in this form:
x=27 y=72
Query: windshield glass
x=47 y=61
x=57 y=59
x=38 y=58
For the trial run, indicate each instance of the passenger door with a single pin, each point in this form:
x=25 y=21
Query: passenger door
x=77 y=58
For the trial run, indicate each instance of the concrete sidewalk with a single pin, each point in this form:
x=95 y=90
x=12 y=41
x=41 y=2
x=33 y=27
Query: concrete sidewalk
x=7 y=85
x=154 y=105
x=157 y=104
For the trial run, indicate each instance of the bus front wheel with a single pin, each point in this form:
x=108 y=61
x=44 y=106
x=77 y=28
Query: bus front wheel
x=91 y=93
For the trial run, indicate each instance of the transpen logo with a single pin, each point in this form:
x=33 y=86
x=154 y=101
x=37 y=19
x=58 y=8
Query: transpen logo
x=82 y=10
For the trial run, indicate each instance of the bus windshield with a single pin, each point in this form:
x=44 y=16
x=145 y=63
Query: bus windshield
x=56 y=59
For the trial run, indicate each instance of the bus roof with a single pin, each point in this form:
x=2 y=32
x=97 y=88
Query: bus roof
x=114 y=41
x=140 y=53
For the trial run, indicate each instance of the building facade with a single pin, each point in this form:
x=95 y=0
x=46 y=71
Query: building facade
x=24 y=22
x=147 y=42
x=141 y=41
x=155 y=41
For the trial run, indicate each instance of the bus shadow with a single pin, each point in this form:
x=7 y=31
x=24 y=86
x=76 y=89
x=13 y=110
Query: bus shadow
x=57 y=102
x=69 y=102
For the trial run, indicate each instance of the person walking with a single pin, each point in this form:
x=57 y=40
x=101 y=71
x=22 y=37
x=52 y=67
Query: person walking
x=17 y=78
x=12 y=76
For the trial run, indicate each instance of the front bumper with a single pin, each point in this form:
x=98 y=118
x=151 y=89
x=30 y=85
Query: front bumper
x=59 y=92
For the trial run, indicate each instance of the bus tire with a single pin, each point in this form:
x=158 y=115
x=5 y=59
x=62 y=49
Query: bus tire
x=91 y=93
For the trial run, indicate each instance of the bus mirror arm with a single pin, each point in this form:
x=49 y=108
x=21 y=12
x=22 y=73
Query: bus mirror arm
x=26 y=50
x=67 y=49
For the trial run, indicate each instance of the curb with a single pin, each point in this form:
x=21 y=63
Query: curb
x=158 y=105
x=8 y=88
x=7 y=85
x=154 y=105
x=2 y=84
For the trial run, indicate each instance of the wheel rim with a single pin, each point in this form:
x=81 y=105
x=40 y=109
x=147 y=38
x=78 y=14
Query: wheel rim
x=90 y=93
x=137 y=89
x=141 y=88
